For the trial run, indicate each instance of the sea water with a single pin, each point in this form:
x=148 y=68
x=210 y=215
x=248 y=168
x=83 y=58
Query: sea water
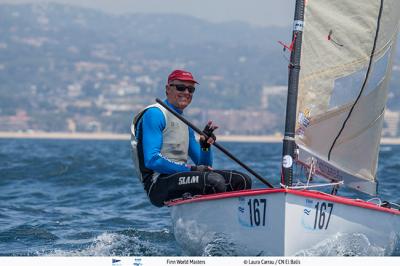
x=82 y=198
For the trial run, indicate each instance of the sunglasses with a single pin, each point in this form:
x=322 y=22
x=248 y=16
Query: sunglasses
x=182 y=88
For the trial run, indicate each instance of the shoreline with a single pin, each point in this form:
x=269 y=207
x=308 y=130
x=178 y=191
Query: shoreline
x=114 y=136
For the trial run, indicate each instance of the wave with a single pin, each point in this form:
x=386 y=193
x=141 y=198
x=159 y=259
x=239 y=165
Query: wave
x=126 y=243
x=351 y=245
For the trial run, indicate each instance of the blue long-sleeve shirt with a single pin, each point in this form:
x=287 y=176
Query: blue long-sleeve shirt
x=153 y=123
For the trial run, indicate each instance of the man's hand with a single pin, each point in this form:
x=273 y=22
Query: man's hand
x=211 y=138
x=200 y=168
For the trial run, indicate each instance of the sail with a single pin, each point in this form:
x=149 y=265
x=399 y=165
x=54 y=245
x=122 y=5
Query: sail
x=346 y=62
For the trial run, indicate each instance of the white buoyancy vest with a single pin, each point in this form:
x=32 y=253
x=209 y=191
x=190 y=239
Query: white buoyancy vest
x=175 y=143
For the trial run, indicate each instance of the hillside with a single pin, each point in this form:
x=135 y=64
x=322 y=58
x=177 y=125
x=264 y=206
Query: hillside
x=64 y=68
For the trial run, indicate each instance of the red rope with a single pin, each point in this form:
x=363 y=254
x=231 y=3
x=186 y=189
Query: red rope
x=290 y=47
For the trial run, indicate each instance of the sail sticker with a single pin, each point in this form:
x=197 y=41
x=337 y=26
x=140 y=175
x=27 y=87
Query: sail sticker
x=303 y=121
x=287 y=161
x=304 y=118
x=252 y=212
x=298 y=25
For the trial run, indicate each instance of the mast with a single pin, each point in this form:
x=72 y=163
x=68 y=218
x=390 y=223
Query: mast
x=291 y=104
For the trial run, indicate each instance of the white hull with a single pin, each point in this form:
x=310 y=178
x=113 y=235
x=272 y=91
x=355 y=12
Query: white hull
x=282 y=222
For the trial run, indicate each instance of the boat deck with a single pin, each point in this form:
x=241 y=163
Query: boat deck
x=304 y=193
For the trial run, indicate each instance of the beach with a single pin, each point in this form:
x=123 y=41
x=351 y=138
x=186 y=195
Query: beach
x=113 y=136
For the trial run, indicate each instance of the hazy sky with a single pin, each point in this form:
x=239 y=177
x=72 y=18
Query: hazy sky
x=257 y=12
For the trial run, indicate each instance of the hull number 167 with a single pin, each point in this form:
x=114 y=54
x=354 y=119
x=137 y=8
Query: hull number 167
x=323 y=213
x=257 y=211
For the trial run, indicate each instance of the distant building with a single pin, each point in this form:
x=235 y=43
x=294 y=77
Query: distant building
x=391 y=124
x=268 y=91
x=74 y=90
x=237 y=122
x=18 y=122
x=71 y=125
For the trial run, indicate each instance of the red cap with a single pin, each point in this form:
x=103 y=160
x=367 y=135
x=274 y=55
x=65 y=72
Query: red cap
x=181 y=75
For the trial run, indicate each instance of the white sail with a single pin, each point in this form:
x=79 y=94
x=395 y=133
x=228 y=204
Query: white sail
x=346 y=63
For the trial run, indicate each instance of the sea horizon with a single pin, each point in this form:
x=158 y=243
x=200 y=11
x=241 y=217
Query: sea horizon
x=276 y=138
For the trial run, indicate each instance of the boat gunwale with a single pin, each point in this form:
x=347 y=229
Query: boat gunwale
x=305 y=193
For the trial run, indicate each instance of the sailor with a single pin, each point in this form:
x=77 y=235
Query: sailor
x=162 y=144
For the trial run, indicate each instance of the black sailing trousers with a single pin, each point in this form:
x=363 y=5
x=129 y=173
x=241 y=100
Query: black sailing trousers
x=189 y=184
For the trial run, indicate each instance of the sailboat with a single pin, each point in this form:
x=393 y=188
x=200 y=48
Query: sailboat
x=340 y=66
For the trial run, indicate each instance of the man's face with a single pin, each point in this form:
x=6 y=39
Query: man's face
x=179 y=99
